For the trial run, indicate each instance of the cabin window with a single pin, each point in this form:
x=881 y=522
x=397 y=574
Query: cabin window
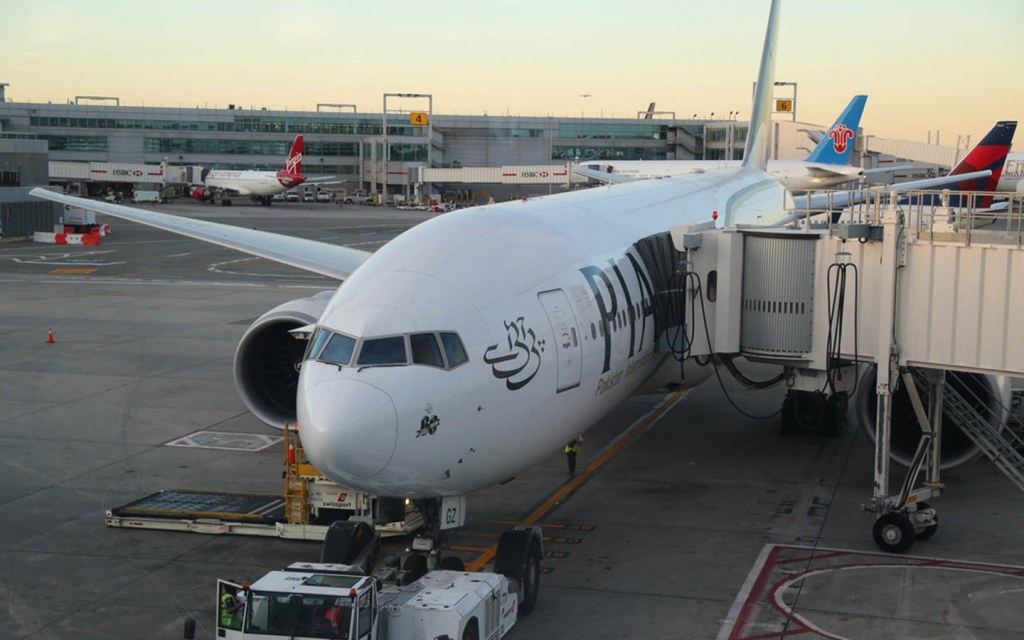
x=425 y=350
x=383 y=351
x=453 y=349
x=338 y=350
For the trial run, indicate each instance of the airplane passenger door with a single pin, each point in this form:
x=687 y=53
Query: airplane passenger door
x=567 y=337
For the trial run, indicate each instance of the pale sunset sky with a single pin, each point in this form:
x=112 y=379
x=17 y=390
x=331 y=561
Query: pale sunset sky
x=926 y=65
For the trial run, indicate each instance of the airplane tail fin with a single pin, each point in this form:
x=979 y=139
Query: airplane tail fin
x=836 y=146
x=294 y=162
x=755 y=154
x=989 y=154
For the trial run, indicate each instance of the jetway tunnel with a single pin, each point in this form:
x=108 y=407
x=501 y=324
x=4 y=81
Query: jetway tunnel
x=849 y=309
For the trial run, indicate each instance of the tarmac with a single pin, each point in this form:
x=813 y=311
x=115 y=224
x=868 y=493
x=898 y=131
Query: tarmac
x=685 y=519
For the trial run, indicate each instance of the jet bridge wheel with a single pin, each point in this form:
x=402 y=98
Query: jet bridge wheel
x=893 y=532
x=930 y=529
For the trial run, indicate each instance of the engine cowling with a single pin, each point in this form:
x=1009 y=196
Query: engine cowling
x=267 y=359
x=200 y=193
x=989 y=395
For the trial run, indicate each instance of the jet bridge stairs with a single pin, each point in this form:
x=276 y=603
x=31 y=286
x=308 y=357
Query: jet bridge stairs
x=901 y=295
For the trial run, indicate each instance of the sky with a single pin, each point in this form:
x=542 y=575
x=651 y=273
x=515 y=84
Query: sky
x=947 y=66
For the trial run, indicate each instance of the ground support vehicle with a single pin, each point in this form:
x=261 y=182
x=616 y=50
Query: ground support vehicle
x=340 y=600
x=309 y=505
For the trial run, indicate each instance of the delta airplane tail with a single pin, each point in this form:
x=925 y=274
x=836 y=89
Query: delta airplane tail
x=836 y=146
x=293 y=165
x=989 y=154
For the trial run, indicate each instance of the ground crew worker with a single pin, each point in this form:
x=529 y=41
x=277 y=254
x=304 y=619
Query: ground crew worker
x=229 y=608
x=337 y=618
x=571 y=449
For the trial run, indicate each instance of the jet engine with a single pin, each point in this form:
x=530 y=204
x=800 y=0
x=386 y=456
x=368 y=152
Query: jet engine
x=268 y=357
x=201 y=193
x=989 y=395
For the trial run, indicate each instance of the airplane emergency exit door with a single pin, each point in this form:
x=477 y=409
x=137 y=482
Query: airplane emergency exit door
x=567 y=338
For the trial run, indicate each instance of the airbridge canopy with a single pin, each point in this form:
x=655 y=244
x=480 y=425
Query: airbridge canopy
x=939 y=287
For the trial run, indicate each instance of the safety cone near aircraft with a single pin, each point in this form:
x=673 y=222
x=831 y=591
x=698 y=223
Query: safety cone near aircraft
x=49 y=337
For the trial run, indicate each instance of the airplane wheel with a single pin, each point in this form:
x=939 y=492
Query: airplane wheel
x=893 y=532
x=931 y=529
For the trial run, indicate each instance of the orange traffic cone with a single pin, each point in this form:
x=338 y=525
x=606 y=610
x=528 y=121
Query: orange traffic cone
x=49 y=337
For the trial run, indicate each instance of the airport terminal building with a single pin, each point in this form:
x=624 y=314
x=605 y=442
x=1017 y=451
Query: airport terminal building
x=352 y=145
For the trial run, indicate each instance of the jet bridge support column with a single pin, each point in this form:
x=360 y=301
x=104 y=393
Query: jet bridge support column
x=887 y=369
x=905 y=516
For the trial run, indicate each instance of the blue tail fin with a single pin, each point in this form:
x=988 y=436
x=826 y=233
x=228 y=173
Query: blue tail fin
x=837 y=144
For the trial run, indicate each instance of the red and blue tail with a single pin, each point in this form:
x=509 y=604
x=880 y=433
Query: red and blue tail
x=989 y=154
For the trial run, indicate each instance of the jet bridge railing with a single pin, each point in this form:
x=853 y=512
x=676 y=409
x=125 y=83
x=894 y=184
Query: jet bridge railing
x=961 y=216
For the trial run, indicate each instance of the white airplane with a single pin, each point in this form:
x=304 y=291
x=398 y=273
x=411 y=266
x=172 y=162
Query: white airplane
x=1012 y=177
x=259 y=185
x=477 y=343
x=826 y=166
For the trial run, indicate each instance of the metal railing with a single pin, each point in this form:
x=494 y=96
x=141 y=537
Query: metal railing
x=929 y=214
x=983 y=419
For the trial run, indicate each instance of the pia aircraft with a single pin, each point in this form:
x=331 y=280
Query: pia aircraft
x=826 y=166
x=477 y=343
x=222 y=185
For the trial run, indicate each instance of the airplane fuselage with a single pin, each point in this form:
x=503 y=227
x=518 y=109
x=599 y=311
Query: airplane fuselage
x=254 y=183
x=1012 y=177
x=555 y=307
x=797 y=175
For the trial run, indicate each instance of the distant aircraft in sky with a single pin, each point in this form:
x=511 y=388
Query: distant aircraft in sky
x=586 y=95
x=826 y=166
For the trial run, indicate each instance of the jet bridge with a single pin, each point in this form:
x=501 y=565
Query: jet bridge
x=901 y=297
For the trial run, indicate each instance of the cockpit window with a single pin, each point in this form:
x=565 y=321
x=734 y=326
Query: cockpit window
x=383 y=351
x=316 y=342
x=425 y=350
x=338 y=350
x=453 y=349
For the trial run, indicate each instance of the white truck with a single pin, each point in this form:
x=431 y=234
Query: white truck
x=339 y=598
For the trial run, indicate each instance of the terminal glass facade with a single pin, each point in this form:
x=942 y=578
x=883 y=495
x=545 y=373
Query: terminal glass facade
x=608 y=153
x=613 y=131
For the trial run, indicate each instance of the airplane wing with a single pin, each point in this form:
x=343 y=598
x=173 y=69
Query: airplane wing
x=818 y=171
x=324 y=180
x=309 y=255
x=893 y=168
x=814 y=204
x=601 y=176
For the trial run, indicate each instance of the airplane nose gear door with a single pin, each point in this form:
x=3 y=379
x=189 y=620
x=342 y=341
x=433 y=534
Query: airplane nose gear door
x=567 y=337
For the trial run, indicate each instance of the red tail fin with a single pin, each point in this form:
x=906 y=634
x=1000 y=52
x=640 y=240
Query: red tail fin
x=293 y=164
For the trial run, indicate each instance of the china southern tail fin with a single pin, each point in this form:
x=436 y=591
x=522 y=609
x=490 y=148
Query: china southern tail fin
x=755 y=154
x=294 y=162
x=836 y=146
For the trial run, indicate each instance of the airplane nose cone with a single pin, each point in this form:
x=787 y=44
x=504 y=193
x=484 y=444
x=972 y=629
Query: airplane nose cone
x=348 y=428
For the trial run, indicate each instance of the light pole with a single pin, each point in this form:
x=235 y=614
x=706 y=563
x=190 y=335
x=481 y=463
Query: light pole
x=384 y=132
